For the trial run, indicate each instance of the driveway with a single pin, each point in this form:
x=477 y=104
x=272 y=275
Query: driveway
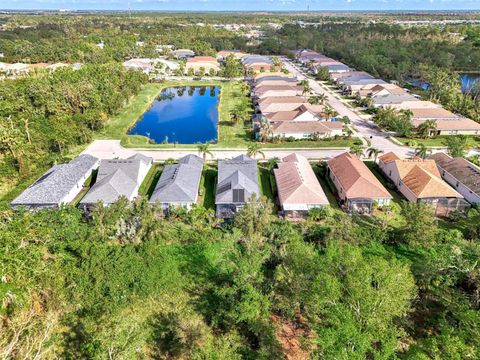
x=378 y=138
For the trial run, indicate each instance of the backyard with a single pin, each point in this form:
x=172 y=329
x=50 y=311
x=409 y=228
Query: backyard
x=473 y=141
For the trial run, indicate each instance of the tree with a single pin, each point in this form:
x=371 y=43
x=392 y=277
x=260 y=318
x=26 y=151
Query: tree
x=265 y=129
x=374 y=152
x=204 y=150
x=317 y=99
x=420 y=228
x=232 y=67
x=427 y=129
x=254 y=149
x=306 y=86
x=254 y=217
x=422 y=151
x=322 y=74
x=457 y=145
x=329 y=112
x=356 y=150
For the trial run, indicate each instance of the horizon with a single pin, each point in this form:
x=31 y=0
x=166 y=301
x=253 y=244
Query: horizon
x=219 y=6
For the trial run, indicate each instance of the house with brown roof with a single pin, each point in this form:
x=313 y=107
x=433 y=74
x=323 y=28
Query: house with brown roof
x=279 y=103
x=292 y=91
x=420 y=180
x=298 y=187
x=447 y=122
x=208 y=63
x=305 y=112
x=357 y=187
x=461 y=174
x=307 y=129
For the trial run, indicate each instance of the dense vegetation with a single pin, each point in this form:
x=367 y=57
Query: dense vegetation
x=130 y=284
x=43 y=116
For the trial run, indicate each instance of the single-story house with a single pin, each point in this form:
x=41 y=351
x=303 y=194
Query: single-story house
x=305 y=112
x=307 y=129
x=262 y=88
x=292 y=91
x=117 y=178
x=337 y=68
x=208 y=63
x=183 y=53
x=351 y=86
x=222 y=54
x=381 y=90
x=178 y=185
x=420 y=180
x=59 y=185
x=274 y=76
x=298 y=187
x=460 y=174
x=415 y=104
x=447 y=122
x=237 y=183
x=357 y=187
x=351 y=74
x=392 y=99
x=280 y=103
x=147 y=65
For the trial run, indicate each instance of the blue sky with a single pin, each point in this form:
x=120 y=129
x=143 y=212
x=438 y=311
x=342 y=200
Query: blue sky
x=235 y=5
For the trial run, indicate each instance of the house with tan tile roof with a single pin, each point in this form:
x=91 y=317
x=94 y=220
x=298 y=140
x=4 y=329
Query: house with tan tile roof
x=460 y=174
x=292 y=91
x=447 y=122
x=420 y=180
x=307 y=129
x=298 y=186
x=357 y=187
x=280 y=103
x=206 y=62
x=304 y=112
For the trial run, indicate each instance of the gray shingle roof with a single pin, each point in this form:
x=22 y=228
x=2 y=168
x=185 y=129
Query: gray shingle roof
x=179 y=182
x=116 y=178
x=240 y=173
x=57 y=182
x=393 y=99
x=270 y=78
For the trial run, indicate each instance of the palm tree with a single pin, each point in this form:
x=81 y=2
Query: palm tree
x=356 y=150
x=426 y=129
x=266 y=129
x=317 y=99
x=271 y=163
x=254 y=149
x=329 y=112
x=204 y=150
x=306 y=86
x=373 y=152
x=422 y=151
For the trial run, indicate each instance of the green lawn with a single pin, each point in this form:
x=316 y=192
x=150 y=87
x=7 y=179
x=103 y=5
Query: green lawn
x=148 y=185
x=207 y=187
x=473 y=141
x=397 y=197
x=230 y=135
x=327 y=187
x=266 y=188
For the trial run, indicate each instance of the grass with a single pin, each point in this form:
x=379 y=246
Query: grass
x=148 y=185
x=207 y=187
x=87 y=186
x=473 y=141
x=397 y=197
x=230 y=135
x=266 y=189
x=327 y=186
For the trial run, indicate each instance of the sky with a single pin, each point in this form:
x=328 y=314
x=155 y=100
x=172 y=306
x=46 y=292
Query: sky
x=241 y=5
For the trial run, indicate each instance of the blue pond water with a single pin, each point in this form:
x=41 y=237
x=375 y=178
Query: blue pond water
x=182 y=115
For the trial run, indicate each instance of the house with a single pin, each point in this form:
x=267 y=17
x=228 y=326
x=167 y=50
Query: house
x=207 y=63
x=381 y=90
x=351 y=74
x=263 y=90
x=223 y=54
x=183 y=53
x=447 y=123
x=461 y=174
x=274 y=76
x=392 y=99
x=280 y=103
x=237 y=183
x=415 y=104
x=352 y=86
x=357 y=187
x=298 y=187
x=420 y=180
x=141 y=64
x=291 y=91
x=59 y=185
x=179 y=183
x=117 y=178
x=307 y=129
x=305 y=112
x=337 y=68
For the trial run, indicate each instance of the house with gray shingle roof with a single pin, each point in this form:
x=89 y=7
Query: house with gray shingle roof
x=237 y=182
x=117 y=178
x=179 y=183
x=59 y=185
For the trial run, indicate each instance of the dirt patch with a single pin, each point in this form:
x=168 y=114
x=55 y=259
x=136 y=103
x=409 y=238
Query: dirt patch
x=294 y=336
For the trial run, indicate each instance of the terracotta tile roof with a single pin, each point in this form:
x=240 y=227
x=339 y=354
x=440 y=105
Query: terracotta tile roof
x=388 y=157
x=432 y=113
x=297 y=183
x=423 y=179
x=293 y=114
x=356 y=179
x=455 y=124
x=462 y=170
x=290 y=127
x=202 y=59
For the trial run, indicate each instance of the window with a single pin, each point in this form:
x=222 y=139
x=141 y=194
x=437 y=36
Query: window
x=238 y=195
x=306 y=135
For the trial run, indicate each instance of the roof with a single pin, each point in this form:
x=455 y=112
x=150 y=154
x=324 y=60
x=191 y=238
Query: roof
x=462 y=170
x=282 y=100
x=432 y=113
x=315 y=110
x=261 y=89
x=350 y=74
x=292 y=127
x=179 y=182
x=208 y=59
x=116 y=178
x=388 y=157
x=356 y=179
x=274 y=76
x=337 y=67
x=237 y=180
x=297 y=183
x=455 y=124
x=393 y=99
x=423 y=179
x=57 y=182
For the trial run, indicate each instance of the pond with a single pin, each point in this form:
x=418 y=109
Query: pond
x=182 y=115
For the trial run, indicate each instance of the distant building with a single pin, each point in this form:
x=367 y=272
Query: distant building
x=183 y=53
x=59 y=185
